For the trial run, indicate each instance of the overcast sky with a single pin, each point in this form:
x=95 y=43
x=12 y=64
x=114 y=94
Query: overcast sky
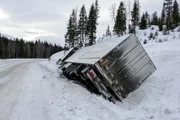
x=47 y=19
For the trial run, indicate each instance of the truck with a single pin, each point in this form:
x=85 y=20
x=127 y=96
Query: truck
x=113 y=68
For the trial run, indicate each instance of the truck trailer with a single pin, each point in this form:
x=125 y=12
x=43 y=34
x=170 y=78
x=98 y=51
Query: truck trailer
x=112 y=68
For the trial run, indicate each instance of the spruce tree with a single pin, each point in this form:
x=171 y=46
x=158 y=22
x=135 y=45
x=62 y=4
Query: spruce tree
x=143 y=23
x=75 y=27
x=135 y=13
x=108 y=32
x=154 y=20
x=92 y=23
x=168 y=10
x=97 y=9
x=159 y=24
x=147 y=17
x=162 y=20
x=71 y=36
x=120 y=22
x=175 y=14
x=82 y=25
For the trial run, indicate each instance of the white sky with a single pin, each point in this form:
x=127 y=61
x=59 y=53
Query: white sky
x=47 y=19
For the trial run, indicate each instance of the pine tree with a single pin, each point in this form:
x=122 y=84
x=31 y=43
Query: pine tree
x=154 y=20
x=21 y=48
x=120 y=22
x=147 y=17
x=97 y=9
x=162 y=20
x=168 y=10
x=135 y=13
x=75 y=27
x=71 y=36
x=175 y=14
x=108 y=32
x=82 y=25
x=159 y=24
x=92 y=23
x=143 y=23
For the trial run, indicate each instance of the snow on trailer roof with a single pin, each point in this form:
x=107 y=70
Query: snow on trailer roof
x=92 y=54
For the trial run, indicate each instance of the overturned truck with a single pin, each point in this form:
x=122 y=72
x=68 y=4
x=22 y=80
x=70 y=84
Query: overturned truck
x=112 y=68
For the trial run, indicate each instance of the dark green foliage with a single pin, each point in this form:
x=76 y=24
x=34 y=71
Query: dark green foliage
x=71 y=37
x=18 y=48
x=160 y=25
x=169 y=16
x=135 y=13
x=163 y=16
x=154 y=20
x=162 y=19
x=97 y=8
x=92 y=23
x=175 y=14
x=168 y=13
x=147 y=17
x=143 y=23
x=120 y=22
x=82 y=26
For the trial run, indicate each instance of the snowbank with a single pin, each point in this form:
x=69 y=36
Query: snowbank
x=157 y=99
x=55 y=57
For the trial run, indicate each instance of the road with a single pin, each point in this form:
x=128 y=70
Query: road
x=32 y=90
x=19 y=90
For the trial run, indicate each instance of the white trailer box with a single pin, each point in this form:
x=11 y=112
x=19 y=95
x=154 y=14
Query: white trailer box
x=113 y=68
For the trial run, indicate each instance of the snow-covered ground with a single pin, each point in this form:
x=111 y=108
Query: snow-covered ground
x=33 y=90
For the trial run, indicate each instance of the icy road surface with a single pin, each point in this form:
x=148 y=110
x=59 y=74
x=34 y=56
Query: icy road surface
x=33 y=90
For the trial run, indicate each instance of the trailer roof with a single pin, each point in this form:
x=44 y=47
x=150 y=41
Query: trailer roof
x=92 y=54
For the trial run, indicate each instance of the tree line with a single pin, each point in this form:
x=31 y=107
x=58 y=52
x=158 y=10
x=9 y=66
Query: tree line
x=168 y=20
x=18 y=48
x=82 y=31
